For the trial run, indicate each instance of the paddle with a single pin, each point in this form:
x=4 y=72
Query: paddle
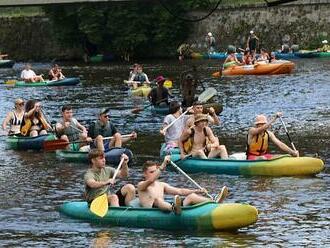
x=167 y=84
x=172 y=123
x=59 y=144
x=287 y=133
x=207 y=94
x=99 y=205
x=189 y=178
x=139 y=109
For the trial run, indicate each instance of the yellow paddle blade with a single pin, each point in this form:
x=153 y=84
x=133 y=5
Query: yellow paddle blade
x=168 y=84
x=10 y=81
x=99 y=205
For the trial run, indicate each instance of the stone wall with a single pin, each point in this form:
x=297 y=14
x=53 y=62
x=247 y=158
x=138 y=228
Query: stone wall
x=303 y=24
x=32 y=38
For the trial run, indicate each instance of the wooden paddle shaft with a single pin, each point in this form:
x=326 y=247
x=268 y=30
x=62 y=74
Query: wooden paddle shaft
x=118 y=168
x=123 y=136
x=192 y=180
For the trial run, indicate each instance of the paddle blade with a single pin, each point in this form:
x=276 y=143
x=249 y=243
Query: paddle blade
x=216 y=74
x=168 y=84
x=207 y=94
x=10 y=81
x=99 y=205
x=52 y=145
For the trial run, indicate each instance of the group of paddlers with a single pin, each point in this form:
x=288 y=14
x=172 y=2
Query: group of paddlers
x=29 y=76
x=192 y=134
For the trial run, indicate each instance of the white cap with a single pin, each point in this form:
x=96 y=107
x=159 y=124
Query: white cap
x=324 y=41
x=209 y=34
x=251 y=32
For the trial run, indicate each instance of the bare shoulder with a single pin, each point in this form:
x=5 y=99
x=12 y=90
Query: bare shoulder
x=139 y=183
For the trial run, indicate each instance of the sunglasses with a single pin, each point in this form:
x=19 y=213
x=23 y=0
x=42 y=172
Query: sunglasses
x=20 y=104
x=106 y=116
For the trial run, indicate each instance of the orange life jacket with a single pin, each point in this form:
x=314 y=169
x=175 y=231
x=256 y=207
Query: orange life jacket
x=27 y=124
x=259 y=145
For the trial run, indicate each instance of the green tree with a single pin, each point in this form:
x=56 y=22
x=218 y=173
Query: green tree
x=129 y=29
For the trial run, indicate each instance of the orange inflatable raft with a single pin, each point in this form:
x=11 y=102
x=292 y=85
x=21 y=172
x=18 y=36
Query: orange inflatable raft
x=278 y=67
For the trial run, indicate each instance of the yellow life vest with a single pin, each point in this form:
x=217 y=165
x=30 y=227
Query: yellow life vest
x=259 y=145
x=25 y=129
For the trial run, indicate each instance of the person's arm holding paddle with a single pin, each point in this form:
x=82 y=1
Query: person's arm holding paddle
x=215 y=120
x=124 y=167
x=282 y=146
x=256 y=130
x=142 y=186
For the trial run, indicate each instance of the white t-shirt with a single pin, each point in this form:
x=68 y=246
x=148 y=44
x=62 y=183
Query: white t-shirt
x=174 y=132
x=26 y=74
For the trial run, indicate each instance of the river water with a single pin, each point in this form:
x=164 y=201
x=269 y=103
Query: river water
x=294 y=211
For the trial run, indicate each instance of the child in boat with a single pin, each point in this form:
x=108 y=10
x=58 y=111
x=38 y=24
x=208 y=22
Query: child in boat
x=151 y=191
x=259 y=136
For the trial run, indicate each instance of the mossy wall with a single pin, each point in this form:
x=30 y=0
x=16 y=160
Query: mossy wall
x=32 y=38
x=306 y=25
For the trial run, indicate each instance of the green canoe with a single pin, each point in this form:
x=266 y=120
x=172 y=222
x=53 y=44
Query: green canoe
x=62 y=82
x=324 y=54
x=279 y=166
x=202 y=217
x=28 y=143
x=112 y=156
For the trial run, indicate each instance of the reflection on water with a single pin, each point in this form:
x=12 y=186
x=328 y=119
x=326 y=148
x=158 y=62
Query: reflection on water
x=293 y=211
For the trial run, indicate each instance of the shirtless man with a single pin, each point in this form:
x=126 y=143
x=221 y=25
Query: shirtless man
x=212 y=117
x=151 y=191
x=199 y=135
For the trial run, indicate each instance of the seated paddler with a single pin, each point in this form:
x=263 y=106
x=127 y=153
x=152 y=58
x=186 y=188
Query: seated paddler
x=259 y=137
x=105 y=132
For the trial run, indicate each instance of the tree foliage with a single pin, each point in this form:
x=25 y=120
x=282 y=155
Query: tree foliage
x=138 y=29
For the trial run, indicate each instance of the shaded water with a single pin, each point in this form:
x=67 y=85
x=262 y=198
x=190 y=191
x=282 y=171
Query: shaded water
x=293 y=211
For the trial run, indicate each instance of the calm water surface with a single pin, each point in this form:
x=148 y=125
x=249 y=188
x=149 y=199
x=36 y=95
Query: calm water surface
x=293 y=211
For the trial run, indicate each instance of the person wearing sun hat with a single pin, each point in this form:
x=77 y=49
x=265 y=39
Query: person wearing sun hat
x=103 y=127
x=159 y=96
x=203 y=142
x=259 y=137
x=325 y=47
x=14 y=118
